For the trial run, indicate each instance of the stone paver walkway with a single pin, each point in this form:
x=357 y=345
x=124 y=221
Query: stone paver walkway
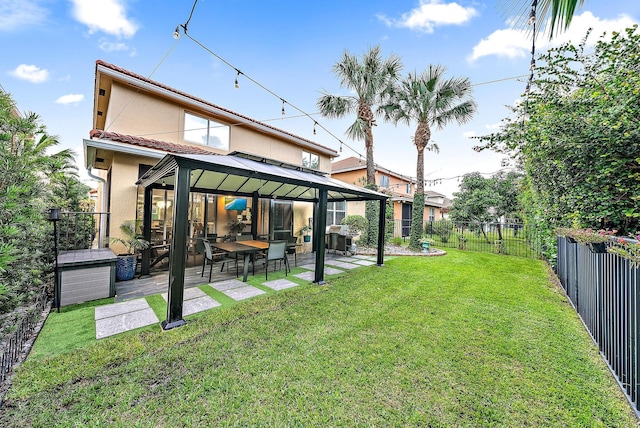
x=131 y=314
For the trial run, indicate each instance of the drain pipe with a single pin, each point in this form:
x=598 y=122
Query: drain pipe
x=103 y=217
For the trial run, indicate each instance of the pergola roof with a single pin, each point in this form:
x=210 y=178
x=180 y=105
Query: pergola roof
x=239 y=175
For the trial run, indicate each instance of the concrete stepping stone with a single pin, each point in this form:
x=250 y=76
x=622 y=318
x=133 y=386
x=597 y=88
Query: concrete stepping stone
x=195 y=300
x=343 y=265
x=364 y=262
x=189 y=294
x=227 y=285
x=309 y=266
x=124 y=316
x=242 y=293
x=280 y=284
x=121 y=308
x=307 y=276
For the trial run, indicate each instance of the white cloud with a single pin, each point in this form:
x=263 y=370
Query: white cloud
x=70 y=99
x=431 y=14
x=108 y=16
x=493 y=126
x=20 y=14
x=30 y=73
x=469 y=134
x=512 y=43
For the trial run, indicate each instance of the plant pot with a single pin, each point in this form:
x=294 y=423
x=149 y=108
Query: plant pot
x=571 y=240
x=126 y=267
x=425 y=247
x=598 y=247
x=307 y=238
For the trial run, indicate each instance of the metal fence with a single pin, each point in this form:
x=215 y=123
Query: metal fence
x=503 y=238
x=13 y=344
x=83 y=230
x=604 y=289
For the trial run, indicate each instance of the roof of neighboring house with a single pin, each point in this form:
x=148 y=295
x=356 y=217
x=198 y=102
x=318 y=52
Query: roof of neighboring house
x=148 y=143
x=354 y=164
x=102 y=66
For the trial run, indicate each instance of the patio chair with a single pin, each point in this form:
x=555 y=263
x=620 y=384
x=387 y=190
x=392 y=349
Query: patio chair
x=276 y=252
x=291 y=249
x=211 y=257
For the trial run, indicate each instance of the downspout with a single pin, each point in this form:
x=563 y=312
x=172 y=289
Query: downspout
x=103 y=217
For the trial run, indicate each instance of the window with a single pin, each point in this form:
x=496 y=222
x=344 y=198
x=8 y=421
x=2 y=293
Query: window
x=204 y=131
x=310 y=160
x=336 y=211
x=432 y=214
x=384 y=180
x=408 y=192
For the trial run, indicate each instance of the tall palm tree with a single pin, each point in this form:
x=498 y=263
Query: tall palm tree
x=370 y=79
x=429 y=100
x=559 y=11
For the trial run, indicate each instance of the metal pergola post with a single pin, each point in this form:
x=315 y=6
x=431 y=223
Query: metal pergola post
x=381 y=231
x=318 y=235
x=178 y=254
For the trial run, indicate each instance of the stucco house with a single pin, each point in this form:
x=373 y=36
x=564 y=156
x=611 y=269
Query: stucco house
x=137 y=121
x=401 y=187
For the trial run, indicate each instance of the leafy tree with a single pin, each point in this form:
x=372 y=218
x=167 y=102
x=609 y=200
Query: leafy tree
x=578 y=136
x=429 y=100
x=28 y=185
x=369 y=80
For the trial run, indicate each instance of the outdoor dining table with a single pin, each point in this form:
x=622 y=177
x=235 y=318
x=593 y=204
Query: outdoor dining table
x=247 y=248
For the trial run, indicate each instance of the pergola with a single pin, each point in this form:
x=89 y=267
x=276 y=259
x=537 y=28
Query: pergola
x=242 y=175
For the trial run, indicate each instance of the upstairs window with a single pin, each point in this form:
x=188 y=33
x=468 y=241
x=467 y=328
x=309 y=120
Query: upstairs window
x=408 y=192
x=310 y=160
x=384 y=180
x=207 y=132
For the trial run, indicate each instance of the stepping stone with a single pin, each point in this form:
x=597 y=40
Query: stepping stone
x=343 y=265
x=280 y=284
x=364 y=262
x=307 y=276
x=363 y=256
x=309 y=266
x=189 y=294
x=331 y=271
x=199 y=304
x=344 y=259
x=242 y=293
x=106 y=327
x=121 y=308
x=227 y=285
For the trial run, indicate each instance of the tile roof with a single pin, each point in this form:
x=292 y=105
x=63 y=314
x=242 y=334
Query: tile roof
x=348 y=163
x=148 y=143
x=200 y=100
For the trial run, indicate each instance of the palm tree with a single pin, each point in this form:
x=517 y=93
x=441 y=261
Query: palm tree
x=429 y=100
x=560 y=11
x=370 y=80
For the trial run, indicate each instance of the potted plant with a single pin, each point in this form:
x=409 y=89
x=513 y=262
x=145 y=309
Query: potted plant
x=627 y=248
x=236 y=227
x=595 y=239
x=132 y=241
x=306 y=233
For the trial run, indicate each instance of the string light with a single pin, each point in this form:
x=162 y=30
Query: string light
x=314 y=127
x=283 y=113
x=237 y=85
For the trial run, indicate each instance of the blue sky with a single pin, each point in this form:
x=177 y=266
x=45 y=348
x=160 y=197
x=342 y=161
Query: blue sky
x=49 y=49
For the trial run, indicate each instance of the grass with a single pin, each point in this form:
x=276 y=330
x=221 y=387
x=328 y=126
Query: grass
x=469 y=339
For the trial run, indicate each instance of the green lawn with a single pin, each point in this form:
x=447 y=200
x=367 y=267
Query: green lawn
x=469 y=339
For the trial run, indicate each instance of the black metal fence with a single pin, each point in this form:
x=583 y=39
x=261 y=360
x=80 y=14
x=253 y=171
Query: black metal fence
x=604 y=289
x=83 y=230
x=12 y=346
x=514 y=239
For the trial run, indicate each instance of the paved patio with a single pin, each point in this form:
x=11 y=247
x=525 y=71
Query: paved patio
x=132 y=311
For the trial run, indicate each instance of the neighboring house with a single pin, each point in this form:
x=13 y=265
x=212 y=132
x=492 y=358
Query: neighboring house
x=402 y=188
x=137 y=121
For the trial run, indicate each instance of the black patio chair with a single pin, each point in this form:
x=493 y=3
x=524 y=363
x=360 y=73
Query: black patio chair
x=277 y=251
x=211 y=257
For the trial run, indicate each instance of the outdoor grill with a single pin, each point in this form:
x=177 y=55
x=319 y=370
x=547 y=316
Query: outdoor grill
x=338 y=239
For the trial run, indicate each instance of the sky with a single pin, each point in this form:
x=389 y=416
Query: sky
x=49 y=49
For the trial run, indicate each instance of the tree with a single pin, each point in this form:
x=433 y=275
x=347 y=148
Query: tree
x=559 y=11
x=429 y=100
x=370 y=80
x=578 y=137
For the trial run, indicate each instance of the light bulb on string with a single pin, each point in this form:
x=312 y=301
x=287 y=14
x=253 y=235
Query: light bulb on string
x=237 y=85
x=283 y=113
x=176 y=33
x=340 y=146
x=314 y=127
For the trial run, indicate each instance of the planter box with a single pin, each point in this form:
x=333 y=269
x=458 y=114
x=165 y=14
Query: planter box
x=85 y=275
